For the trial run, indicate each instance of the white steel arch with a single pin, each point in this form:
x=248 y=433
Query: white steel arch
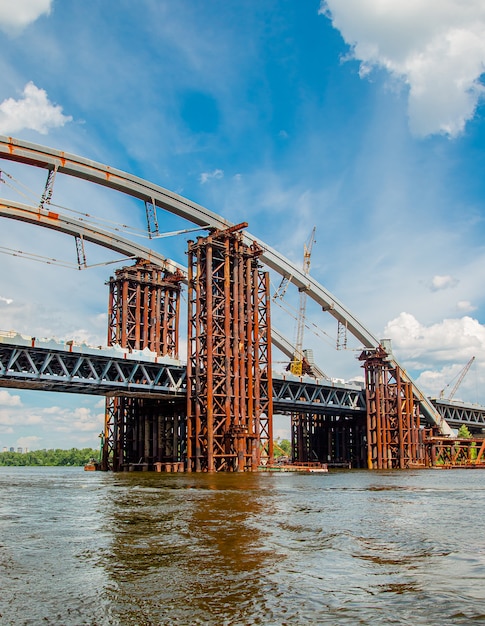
x=79 y=228
x=80 y=167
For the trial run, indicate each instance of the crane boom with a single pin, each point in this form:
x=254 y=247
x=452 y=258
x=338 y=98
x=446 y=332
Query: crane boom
x=459 y=381
x=296 y=366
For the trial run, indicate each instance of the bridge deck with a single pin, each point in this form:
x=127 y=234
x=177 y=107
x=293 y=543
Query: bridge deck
x=26 y=363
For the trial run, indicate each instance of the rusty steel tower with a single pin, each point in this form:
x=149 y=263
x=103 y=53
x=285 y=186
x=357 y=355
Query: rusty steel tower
x=394 y=437
x=229 y=383
x=143 y=313
x=144 y=309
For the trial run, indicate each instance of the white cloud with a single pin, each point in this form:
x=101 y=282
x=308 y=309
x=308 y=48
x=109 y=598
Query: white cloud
x=79 y=419
x=15 y=16
x=439 y=353
x=10 y=418
x=33 y=111
x=207 y=176
x=6 y=300
x=443 y=282
x=437 y=48
x=452 y=340
x=32 y=441
x=465 y=306
x=6 y=399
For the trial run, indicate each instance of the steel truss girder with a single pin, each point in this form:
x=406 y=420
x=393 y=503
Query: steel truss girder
x=56 y=370
x=327 y=399
x=457 y=414
x=40 y=368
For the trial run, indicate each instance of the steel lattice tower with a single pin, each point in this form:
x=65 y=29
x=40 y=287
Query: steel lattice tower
x=393 y=422
x=144 y=309
x=229 y=384
x=143 y=313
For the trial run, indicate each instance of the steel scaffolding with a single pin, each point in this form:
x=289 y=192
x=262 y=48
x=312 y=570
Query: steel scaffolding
x=143 y=313
x=144 y=309
x=337 y=440
x=394 y=438
x=142 y=432
x=229 y=384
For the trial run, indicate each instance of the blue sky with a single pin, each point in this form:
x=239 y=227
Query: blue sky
x=363 y=118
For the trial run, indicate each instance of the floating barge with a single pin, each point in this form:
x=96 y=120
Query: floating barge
x=305 y=468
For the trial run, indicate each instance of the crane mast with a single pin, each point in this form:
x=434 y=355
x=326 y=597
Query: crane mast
x=296 y=366
x=458 y=382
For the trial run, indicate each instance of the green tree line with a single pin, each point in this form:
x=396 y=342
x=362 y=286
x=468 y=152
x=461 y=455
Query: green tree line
x=73 y=456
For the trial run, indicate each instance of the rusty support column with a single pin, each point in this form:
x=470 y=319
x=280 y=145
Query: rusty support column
x=228 y=409
x=392 y=415
x=143 y=312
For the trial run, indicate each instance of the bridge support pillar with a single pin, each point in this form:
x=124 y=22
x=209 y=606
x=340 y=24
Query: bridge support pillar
x=144 y=309
x=337 y=440
x=143 y=433
x=229 y=383
x=394 y=439
x=143 y=313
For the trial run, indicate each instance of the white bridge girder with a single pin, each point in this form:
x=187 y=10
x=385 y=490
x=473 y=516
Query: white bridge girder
x=79 y=167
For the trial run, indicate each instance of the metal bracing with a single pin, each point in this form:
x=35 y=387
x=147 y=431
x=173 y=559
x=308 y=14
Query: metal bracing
x=338 y=440
x=49 y=187
x=141 y=433
x=72 y=165
x=29 y=367
x=456 y=453
x=144 y=309
x=393 y=421
x=143 y=314
x=294 y=395
x=229 y=401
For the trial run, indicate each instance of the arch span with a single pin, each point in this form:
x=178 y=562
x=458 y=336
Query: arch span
x=79 y=228
x=80 y=167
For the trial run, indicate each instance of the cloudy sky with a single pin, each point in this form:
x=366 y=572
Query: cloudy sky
x=363 y=118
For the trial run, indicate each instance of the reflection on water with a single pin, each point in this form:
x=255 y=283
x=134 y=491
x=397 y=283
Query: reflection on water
x=145 y=549
x=188 y=547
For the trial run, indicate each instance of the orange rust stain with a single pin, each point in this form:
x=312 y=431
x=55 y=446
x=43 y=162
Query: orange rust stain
x=63 y=159
x=52 y=215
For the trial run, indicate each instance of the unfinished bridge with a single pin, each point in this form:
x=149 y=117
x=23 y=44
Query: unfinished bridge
x=221 y=416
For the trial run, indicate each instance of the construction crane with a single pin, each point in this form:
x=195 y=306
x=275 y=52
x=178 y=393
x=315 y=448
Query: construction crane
x=298 y=365
x=458 y=382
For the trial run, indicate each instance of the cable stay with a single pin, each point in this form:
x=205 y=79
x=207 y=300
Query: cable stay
x=113 y=226
x=28 y=192
x=51 y=261
x=311 y=326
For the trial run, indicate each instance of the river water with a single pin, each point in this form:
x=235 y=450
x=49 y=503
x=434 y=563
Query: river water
x=348 y=547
